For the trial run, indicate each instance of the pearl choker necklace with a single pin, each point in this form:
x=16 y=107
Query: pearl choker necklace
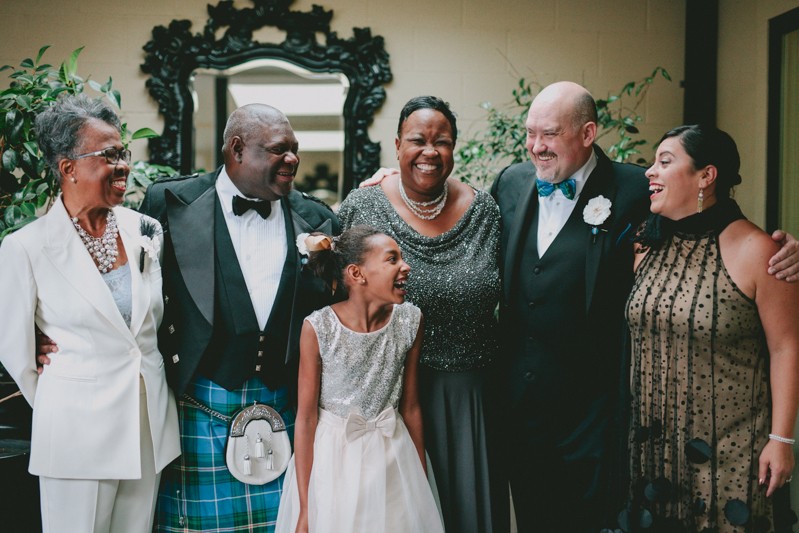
x=425 y=210
x=103 y=249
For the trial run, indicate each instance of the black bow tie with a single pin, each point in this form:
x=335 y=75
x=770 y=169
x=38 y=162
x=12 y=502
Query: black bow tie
x=242 y=205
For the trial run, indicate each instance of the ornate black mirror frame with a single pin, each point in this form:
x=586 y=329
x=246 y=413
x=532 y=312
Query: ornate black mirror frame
x=174 y=53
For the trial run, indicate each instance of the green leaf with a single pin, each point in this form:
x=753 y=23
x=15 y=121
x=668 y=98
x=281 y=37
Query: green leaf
x=106 y=86
x=95 y=85
x=10 y=160
x=72 y=63
x=24 y=101
x=144 y=133
x=116 y=98
x=13 y=216
x=28 y=209
x=42 y=50
x=32 y=147
x=27 y=63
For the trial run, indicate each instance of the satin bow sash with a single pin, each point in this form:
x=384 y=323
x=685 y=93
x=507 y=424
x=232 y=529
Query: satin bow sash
x=567 y=187
x=357 y=426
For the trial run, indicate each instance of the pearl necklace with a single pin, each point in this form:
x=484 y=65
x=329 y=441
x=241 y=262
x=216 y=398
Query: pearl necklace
x=103 y=249
x=425 y=210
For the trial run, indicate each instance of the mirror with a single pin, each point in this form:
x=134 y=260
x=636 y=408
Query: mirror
x=313 y=102
x=225 y=62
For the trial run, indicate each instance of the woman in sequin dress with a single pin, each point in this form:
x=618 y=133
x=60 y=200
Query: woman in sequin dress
x=359 y=451
x=715 y=340
x=449 y=234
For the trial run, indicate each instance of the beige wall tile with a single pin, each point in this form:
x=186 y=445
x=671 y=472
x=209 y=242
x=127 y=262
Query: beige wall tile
x=603 y=15
x=466 y=51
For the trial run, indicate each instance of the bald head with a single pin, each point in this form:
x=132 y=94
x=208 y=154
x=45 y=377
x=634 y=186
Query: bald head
x=249 y=120
x=571 y=98
x=561 y=128
x=260 y=151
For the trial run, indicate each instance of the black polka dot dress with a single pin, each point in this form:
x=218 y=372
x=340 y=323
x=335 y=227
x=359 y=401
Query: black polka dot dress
x=700 y=390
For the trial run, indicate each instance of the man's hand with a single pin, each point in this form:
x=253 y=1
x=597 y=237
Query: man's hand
x=785 y=263
x=378 y=177
x=44 y=345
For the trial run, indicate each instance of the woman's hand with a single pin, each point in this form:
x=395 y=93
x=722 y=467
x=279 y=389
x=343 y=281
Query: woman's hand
x=44 y=346
x=785 y=263
x=776 y=465
x=302 y=522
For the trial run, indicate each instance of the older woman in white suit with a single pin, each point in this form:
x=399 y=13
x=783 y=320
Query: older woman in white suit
x=104 y=421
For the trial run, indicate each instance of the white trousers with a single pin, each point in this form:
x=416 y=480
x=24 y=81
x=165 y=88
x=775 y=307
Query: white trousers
x=105 y=505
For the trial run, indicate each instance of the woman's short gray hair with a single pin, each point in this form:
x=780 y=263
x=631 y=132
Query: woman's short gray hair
x=58 y=127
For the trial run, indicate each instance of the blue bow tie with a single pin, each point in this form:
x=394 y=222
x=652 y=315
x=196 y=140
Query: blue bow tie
x=567 y=187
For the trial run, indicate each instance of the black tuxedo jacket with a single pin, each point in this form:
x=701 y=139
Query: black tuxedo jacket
x=186 y=209
x=561 y=379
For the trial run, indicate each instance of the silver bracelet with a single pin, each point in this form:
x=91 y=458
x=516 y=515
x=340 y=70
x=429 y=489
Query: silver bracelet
x=785 y=440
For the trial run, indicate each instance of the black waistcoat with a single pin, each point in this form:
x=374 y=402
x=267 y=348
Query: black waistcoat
x=239 y=349
x=553 y=286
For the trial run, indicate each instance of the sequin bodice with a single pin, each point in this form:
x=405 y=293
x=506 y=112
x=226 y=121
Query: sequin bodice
x=454 y=276
x=362 y=372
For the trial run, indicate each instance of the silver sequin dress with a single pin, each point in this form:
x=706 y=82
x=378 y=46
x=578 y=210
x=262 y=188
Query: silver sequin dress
x=366 y=474
x=454 y=279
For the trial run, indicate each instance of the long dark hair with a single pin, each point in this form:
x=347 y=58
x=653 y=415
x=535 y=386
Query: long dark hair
x=348 y=249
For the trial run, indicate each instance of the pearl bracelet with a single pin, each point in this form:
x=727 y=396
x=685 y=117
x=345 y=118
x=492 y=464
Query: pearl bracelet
x=785 y=440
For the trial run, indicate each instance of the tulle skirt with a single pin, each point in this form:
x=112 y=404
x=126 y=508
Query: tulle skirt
x=370 y=483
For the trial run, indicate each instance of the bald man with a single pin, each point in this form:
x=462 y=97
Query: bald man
x=566 y=278
x=235 y=298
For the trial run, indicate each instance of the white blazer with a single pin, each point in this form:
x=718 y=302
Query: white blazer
x=86 y=402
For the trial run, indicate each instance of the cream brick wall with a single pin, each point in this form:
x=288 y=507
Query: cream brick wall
x=743 y=91
x=466 y=51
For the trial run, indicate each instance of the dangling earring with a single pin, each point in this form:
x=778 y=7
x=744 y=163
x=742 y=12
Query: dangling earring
x=699 y=200
x=74 y=180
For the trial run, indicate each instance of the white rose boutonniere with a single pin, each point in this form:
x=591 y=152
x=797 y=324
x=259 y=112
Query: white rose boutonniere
x=148 y=240
x=595 y=214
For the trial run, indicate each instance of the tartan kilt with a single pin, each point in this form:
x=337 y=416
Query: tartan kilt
x=197 y=492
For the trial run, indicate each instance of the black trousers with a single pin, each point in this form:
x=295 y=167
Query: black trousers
x=552 y=493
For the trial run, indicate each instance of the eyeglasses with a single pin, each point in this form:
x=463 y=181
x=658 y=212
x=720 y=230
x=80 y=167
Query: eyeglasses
x=112 y=155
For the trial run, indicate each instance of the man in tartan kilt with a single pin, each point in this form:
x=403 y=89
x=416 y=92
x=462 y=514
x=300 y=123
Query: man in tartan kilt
x=235 y=297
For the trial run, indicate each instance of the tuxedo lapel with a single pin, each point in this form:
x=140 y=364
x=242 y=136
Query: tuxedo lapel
x=192 y=237
x=69 y=258
x=528 y=205
x=598 y=183
x=296 y=226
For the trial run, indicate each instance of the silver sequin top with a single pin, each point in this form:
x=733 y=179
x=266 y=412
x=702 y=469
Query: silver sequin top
x=362 y=372
x=454 y=276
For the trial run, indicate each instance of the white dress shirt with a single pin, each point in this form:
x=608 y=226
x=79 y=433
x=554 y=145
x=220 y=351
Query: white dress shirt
x=554 y=210
x=260 y=245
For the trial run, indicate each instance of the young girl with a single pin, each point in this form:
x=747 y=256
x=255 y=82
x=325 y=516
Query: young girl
x=358 y=449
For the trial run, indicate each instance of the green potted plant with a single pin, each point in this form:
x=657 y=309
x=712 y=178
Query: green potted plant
x=27 y=187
